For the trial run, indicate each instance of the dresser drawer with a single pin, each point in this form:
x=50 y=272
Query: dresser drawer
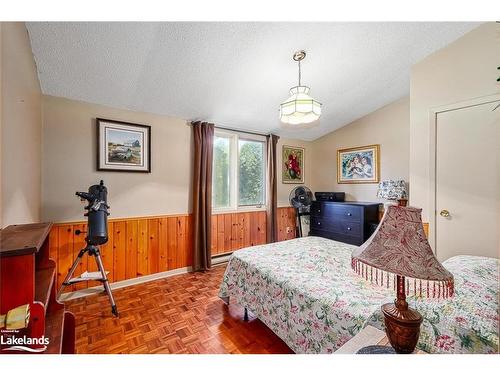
x=351 y=213
x=322 y=223
x=335 y=225
x=348 y=228
x=317 y=210
x=339 y=212
x=336 y=237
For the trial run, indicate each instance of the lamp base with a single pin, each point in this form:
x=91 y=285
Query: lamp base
x=402 y=202
x=402 y=326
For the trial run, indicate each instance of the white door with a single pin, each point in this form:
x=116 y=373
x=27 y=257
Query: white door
x=468 y=181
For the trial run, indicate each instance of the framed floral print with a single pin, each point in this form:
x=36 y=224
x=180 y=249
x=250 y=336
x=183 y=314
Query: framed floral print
x=123 y=146
x=292 y=166
x=358 y=165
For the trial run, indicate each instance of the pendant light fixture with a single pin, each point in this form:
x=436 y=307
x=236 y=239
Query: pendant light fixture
x=299 y=108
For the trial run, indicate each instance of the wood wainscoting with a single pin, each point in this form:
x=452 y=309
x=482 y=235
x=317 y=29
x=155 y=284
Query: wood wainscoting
x=233 y=231
x=144 y=246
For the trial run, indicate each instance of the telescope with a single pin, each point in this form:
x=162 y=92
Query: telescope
x=97 y=234
x=97 y=213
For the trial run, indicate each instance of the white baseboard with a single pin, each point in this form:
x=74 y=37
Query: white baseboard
x=138 y=280
x=124 y=283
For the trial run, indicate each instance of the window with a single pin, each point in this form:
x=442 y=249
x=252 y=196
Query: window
x=239 y=168
x=251 y=173
x=221 y=175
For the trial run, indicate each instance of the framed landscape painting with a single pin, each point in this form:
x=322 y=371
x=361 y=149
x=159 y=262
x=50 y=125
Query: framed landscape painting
x=123 y=146
x=292 y=166
x=358 y=165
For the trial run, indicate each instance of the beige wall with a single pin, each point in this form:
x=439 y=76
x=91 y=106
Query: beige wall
x=21 y=128
x=285 y=189
x=463 y=70
x=69 y=163
x=388 y=127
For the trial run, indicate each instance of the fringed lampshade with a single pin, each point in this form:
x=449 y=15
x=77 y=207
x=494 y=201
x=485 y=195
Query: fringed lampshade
x=398 y=255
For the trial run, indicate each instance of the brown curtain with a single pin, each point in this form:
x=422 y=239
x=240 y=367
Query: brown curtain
x=203 y=135
x=272 y=185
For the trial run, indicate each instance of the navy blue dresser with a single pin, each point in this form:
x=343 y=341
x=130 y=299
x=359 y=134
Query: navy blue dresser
x=349 y=222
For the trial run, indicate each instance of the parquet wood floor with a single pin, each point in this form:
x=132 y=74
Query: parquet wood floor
x=178 y=314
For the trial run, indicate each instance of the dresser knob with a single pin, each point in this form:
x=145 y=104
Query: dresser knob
x=348 y=214
x=319 y=223
x=348 y=228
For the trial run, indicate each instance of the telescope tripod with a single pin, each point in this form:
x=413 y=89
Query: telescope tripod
x=102 y=277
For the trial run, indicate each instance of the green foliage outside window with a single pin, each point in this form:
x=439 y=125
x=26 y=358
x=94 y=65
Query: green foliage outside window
x=251 y=168
x=220 y=173
x=250 y=175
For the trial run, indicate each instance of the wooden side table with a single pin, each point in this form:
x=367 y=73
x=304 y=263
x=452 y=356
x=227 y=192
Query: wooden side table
x=367 y=336
x=27 y=276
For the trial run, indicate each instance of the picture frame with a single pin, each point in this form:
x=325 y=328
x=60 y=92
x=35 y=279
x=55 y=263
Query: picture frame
x=123 y=146
x=292 y=164
x=358 y=165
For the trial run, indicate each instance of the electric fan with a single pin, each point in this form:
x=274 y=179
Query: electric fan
x=301 y=199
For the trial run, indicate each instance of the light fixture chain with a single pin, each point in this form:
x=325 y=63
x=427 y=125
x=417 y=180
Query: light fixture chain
x=300 y=74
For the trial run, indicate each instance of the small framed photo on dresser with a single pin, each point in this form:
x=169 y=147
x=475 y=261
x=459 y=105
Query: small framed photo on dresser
x=358 y=165
x=123 y=146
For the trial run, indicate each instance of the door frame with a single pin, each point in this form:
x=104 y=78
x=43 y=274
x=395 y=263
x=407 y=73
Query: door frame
x=433 y=116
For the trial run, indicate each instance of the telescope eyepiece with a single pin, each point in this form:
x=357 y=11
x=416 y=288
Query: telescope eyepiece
x=84 y=195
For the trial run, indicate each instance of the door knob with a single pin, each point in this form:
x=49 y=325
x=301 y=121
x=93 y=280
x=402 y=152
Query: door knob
x=444 y=213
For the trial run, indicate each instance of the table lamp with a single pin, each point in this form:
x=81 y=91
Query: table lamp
x=393 y=190
x=398 y=255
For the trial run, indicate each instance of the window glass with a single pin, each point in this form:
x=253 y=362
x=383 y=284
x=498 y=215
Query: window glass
x=221 y=173
x=251 y=173
x=238 y=174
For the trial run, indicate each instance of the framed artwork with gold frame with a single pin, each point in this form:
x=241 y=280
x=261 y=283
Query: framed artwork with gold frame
x=292 y=165
x=358 y=165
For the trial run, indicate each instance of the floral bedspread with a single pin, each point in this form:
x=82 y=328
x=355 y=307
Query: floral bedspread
x=304 y=290
x=466 y=323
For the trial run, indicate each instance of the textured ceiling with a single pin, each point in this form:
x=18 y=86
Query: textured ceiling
x=235 y=74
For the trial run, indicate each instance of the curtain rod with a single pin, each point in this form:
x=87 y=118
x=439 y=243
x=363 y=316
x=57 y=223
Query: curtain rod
x=240 y=131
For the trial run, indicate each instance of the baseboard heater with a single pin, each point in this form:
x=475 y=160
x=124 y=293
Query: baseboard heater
x=221 y=258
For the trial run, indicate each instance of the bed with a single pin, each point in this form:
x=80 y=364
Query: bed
x=466 y=323
x=305 y=291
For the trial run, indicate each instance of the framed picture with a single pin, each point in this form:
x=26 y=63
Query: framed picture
x=123 y=146
x=292 y=166
x=358 y=165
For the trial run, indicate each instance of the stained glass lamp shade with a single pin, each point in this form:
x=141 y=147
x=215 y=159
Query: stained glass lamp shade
x=300 y=108
x=398 y=255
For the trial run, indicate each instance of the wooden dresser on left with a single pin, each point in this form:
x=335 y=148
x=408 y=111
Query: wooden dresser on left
x=27 y=277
